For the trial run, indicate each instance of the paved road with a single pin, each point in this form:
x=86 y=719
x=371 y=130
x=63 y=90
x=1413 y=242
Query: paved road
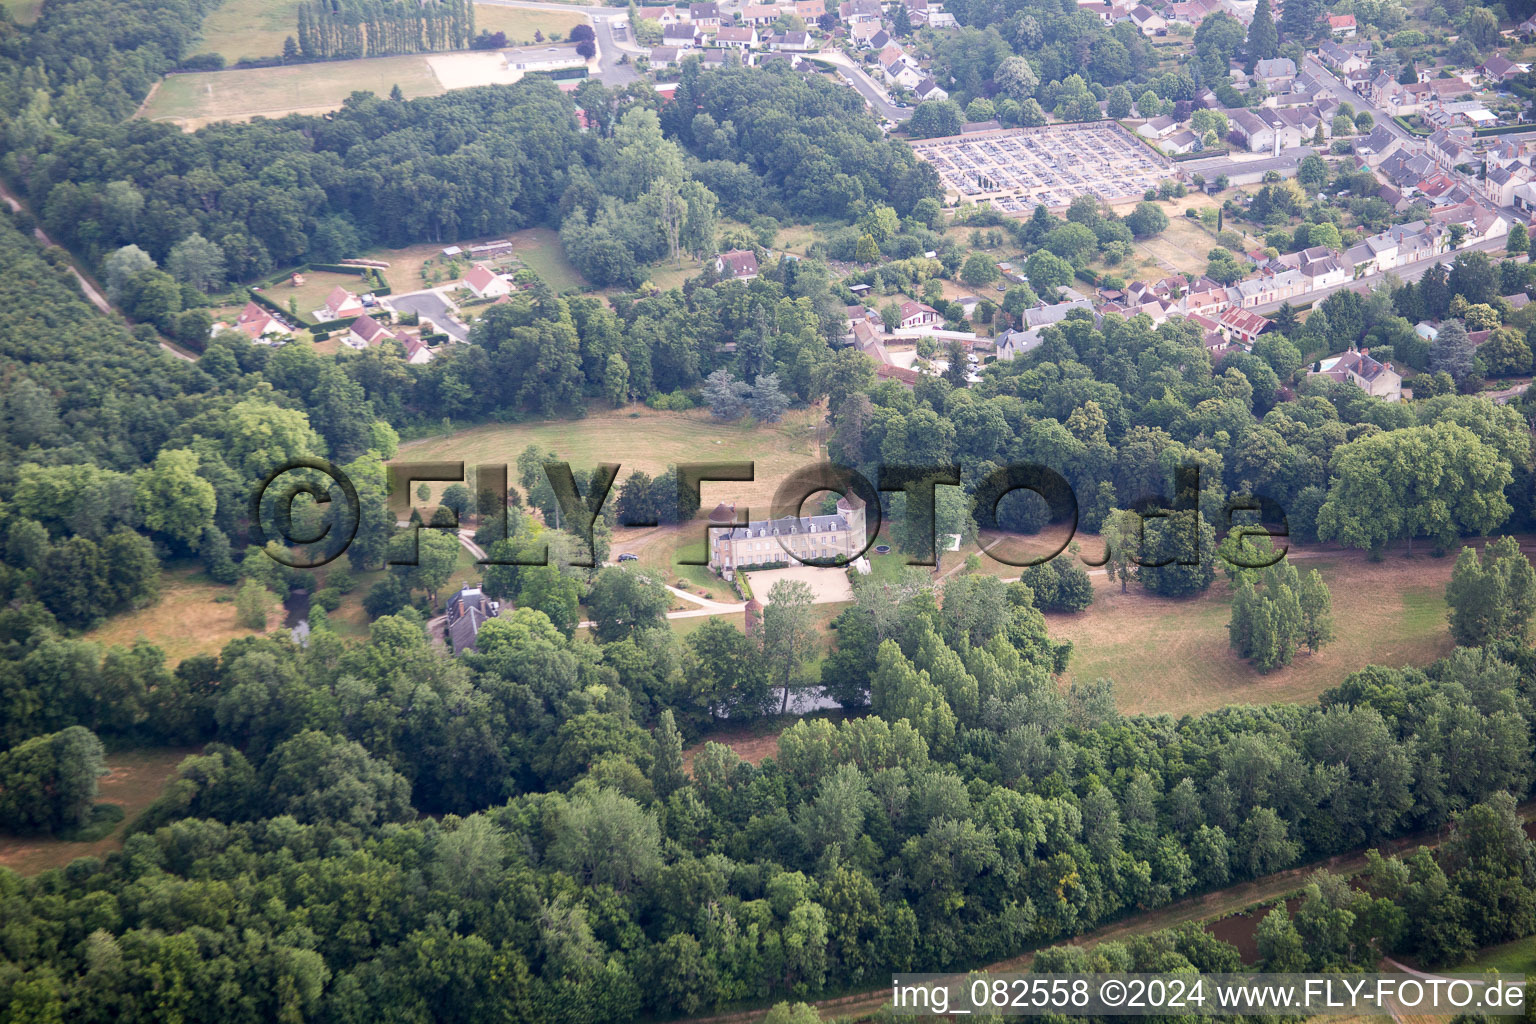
x=96 y=298
x=610 y=50
x=1339 y=91
x=873 y=93
x=432 y=306
x=1406 y=274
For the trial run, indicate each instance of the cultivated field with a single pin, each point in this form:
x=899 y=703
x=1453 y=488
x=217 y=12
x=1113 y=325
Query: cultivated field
x=134 y=779
x=1171 y=656
x=641 y=438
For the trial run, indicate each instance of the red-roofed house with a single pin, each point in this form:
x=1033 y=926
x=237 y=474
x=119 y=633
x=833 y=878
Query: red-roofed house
x=917 y=314
x=416 y=351
x=486 y=283
x=760 y=14
x=809 y=11
x=256 y=322
x=1341 y=25
x=340 y=304
x=1243 y=324
x=366 y=331
x=737 y=265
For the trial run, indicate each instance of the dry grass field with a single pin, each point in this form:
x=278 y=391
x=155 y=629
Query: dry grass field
x=188 y=619
x=521 y=23
x=1171 y=656
x=134 y=779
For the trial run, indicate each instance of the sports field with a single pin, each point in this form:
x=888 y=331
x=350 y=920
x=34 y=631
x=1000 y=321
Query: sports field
x=1171 y=656
x=194 y=100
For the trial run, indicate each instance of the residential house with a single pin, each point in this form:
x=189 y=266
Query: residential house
x=1015 y=343
x=468 y=611
x=257 y=323
x=665 y=56
x=928 y=89
x=365 y=332
x=918 y=314
x=939 y=18
x=1501 y=182
x=1180 y=143
x=1242 y=325
x=1344 y=60
x=1378 y=145
x=899 y=68
x=1159 y=127
x=1277 y=73
x=760 y=14
x=341 y=304
x=1341 y=26
x=743 y=37
x=486 y=283
x=416 y=351
x=715 y=57
x=1148 y=21
x=1358 y=368
x=859 y=12
x=705 y=15
x=684 y=36
x=665 y=14
x=863 y=33
x=810 y=11
x=917 y=11
x=881 y=39
x=1268 y=128
x=1499 y=70
x=1478 y=223
x=737 y=265
x=1041 y=315
x=795 y=42
x=1189 y=12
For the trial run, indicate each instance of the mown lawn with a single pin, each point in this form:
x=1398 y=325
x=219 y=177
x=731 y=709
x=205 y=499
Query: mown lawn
x=541 y=251
x=637 y=437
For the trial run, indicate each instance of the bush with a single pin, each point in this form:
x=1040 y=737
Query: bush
x=326 y=598
x=341 y=580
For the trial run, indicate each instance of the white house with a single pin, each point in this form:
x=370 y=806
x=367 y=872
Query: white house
x=340 y=304
x=486 y=283
x=918 y=314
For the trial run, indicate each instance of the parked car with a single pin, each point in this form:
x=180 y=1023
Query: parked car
x=627 y=557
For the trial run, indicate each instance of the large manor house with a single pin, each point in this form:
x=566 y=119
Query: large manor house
x=771 y=542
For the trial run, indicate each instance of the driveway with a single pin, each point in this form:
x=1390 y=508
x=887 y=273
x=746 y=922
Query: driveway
x=430 y=305
x=828 y=586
